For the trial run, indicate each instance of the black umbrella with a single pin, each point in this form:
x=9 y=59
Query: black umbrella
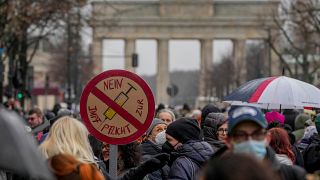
x=19 y=152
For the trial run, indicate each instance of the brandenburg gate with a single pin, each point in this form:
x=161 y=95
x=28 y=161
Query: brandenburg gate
x=163 y=20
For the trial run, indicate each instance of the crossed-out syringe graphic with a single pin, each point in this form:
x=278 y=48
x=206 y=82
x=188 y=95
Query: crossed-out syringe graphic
x=121 y=99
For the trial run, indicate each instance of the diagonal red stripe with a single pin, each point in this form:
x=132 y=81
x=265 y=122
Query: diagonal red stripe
x=257 y=93
x=123 y=113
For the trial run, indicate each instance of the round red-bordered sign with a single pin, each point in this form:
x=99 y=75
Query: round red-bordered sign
x=117 y=106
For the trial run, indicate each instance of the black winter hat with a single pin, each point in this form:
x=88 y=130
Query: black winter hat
x=184 y=129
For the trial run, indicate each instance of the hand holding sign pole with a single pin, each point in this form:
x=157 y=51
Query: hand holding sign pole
x=117 y=107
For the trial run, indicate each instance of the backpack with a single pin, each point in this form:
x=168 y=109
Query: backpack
x=311 y=156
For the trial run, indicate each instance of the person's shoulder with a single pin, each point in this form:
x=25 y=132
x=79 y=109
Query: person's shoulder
x=292 y=172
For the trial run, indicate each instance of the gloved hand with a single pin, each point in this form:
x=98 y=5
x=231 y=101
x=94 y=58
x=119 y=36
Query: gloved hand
x=146 y=167
x=156 y=162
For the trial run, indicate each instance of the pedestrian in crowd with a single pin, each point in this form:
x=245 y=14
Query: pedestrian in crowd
x=187 y=152
x=274 y=119
x=275 y=116
x=160 y=107
x=129 y=156
x=14 y=105
x=300 y=125
x=35 y=117
x=153 y=146
x=311 y=154
x=215 y=130
x=280 y=143
x=196 y=114
x=185 y=111
x=295 y=149
x=67 y=167
x=209 y=108
x=166 y=115
x=106 y=154
x=62 y=112
x=227 y=167
x=56 y=108
x=38 y=123
x=247 y=134
x=70 y=136
x=290 y=117
x=309 y=132
x=96 y=146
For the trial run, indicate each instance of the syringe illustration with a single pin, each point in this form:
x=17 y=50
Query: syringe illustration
x=121 y=99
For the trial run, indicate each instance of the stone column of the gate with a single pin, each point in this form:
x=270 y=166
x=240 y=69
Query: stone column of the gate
x=239 y=51
x=162 y=71
x=97 y=56
x=129 y=49
x=205 y=65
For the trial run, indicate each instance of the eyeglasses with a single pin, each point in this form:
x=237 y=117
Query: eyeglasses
x=241 y=136
x=221 y=131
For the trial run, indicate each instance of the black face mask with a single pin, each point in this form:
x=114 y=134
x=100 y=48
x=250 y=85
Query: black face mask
x=167 y=147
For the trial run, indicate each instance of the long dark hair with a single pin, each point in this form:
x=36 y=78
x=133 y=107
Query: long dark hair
x=130 y=156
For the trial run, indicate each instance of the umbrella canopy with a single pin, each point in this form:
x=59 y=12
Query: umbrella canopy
x=276 y=93
x=19 y=153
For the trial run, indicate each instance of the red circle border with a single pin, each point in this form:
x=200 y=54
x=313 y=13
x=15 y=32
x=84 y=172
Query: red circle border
x=110 y=73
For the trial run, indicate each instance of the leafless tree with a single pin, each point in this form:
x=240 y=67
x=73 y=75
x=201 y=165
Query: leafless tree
x=257 y=60
x=22 y=25
x=222 y=77
x=296 y=41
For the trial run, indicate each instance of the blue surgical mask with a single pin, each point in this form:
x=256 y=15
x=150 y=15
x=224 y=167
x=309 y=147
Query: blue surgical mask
x=258 y=148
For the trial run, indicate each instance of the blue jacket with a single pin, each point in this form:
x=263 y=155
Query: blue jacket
x=189 y=158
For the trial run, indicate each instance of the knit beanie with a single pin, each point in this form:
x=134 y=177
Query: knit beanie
x=184 y=129
x=209 y=108
x=155 y=122
x=215 y=120
x=275 y=116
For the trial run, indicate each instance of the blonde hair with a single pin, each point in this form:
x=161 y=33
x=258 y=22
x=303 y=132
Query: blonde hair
x=70 y=136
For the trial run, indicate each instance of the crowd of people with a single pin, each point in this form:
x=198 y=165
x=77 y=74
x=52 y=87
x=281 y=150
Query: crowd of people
x=238 y=142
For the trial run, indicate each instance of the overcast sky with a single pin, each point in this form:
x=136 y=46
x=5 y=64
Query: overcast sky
x=183 y=54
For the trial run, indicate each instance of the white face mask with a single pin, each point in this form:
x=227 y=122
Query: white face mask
x=161 y=138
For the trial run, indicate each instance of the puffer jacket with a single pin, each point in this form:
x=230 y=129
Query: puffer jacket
x=188 y=159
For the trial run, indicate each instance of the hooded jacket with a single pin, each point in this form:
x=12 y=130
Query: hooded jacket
x=210 y=128
x=299 y=126
x=188 y=159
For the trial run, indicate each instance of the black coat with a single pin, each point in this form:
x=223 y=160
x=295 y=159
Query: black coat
x=149 y=149
x=285 y=172
x=311 y=155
